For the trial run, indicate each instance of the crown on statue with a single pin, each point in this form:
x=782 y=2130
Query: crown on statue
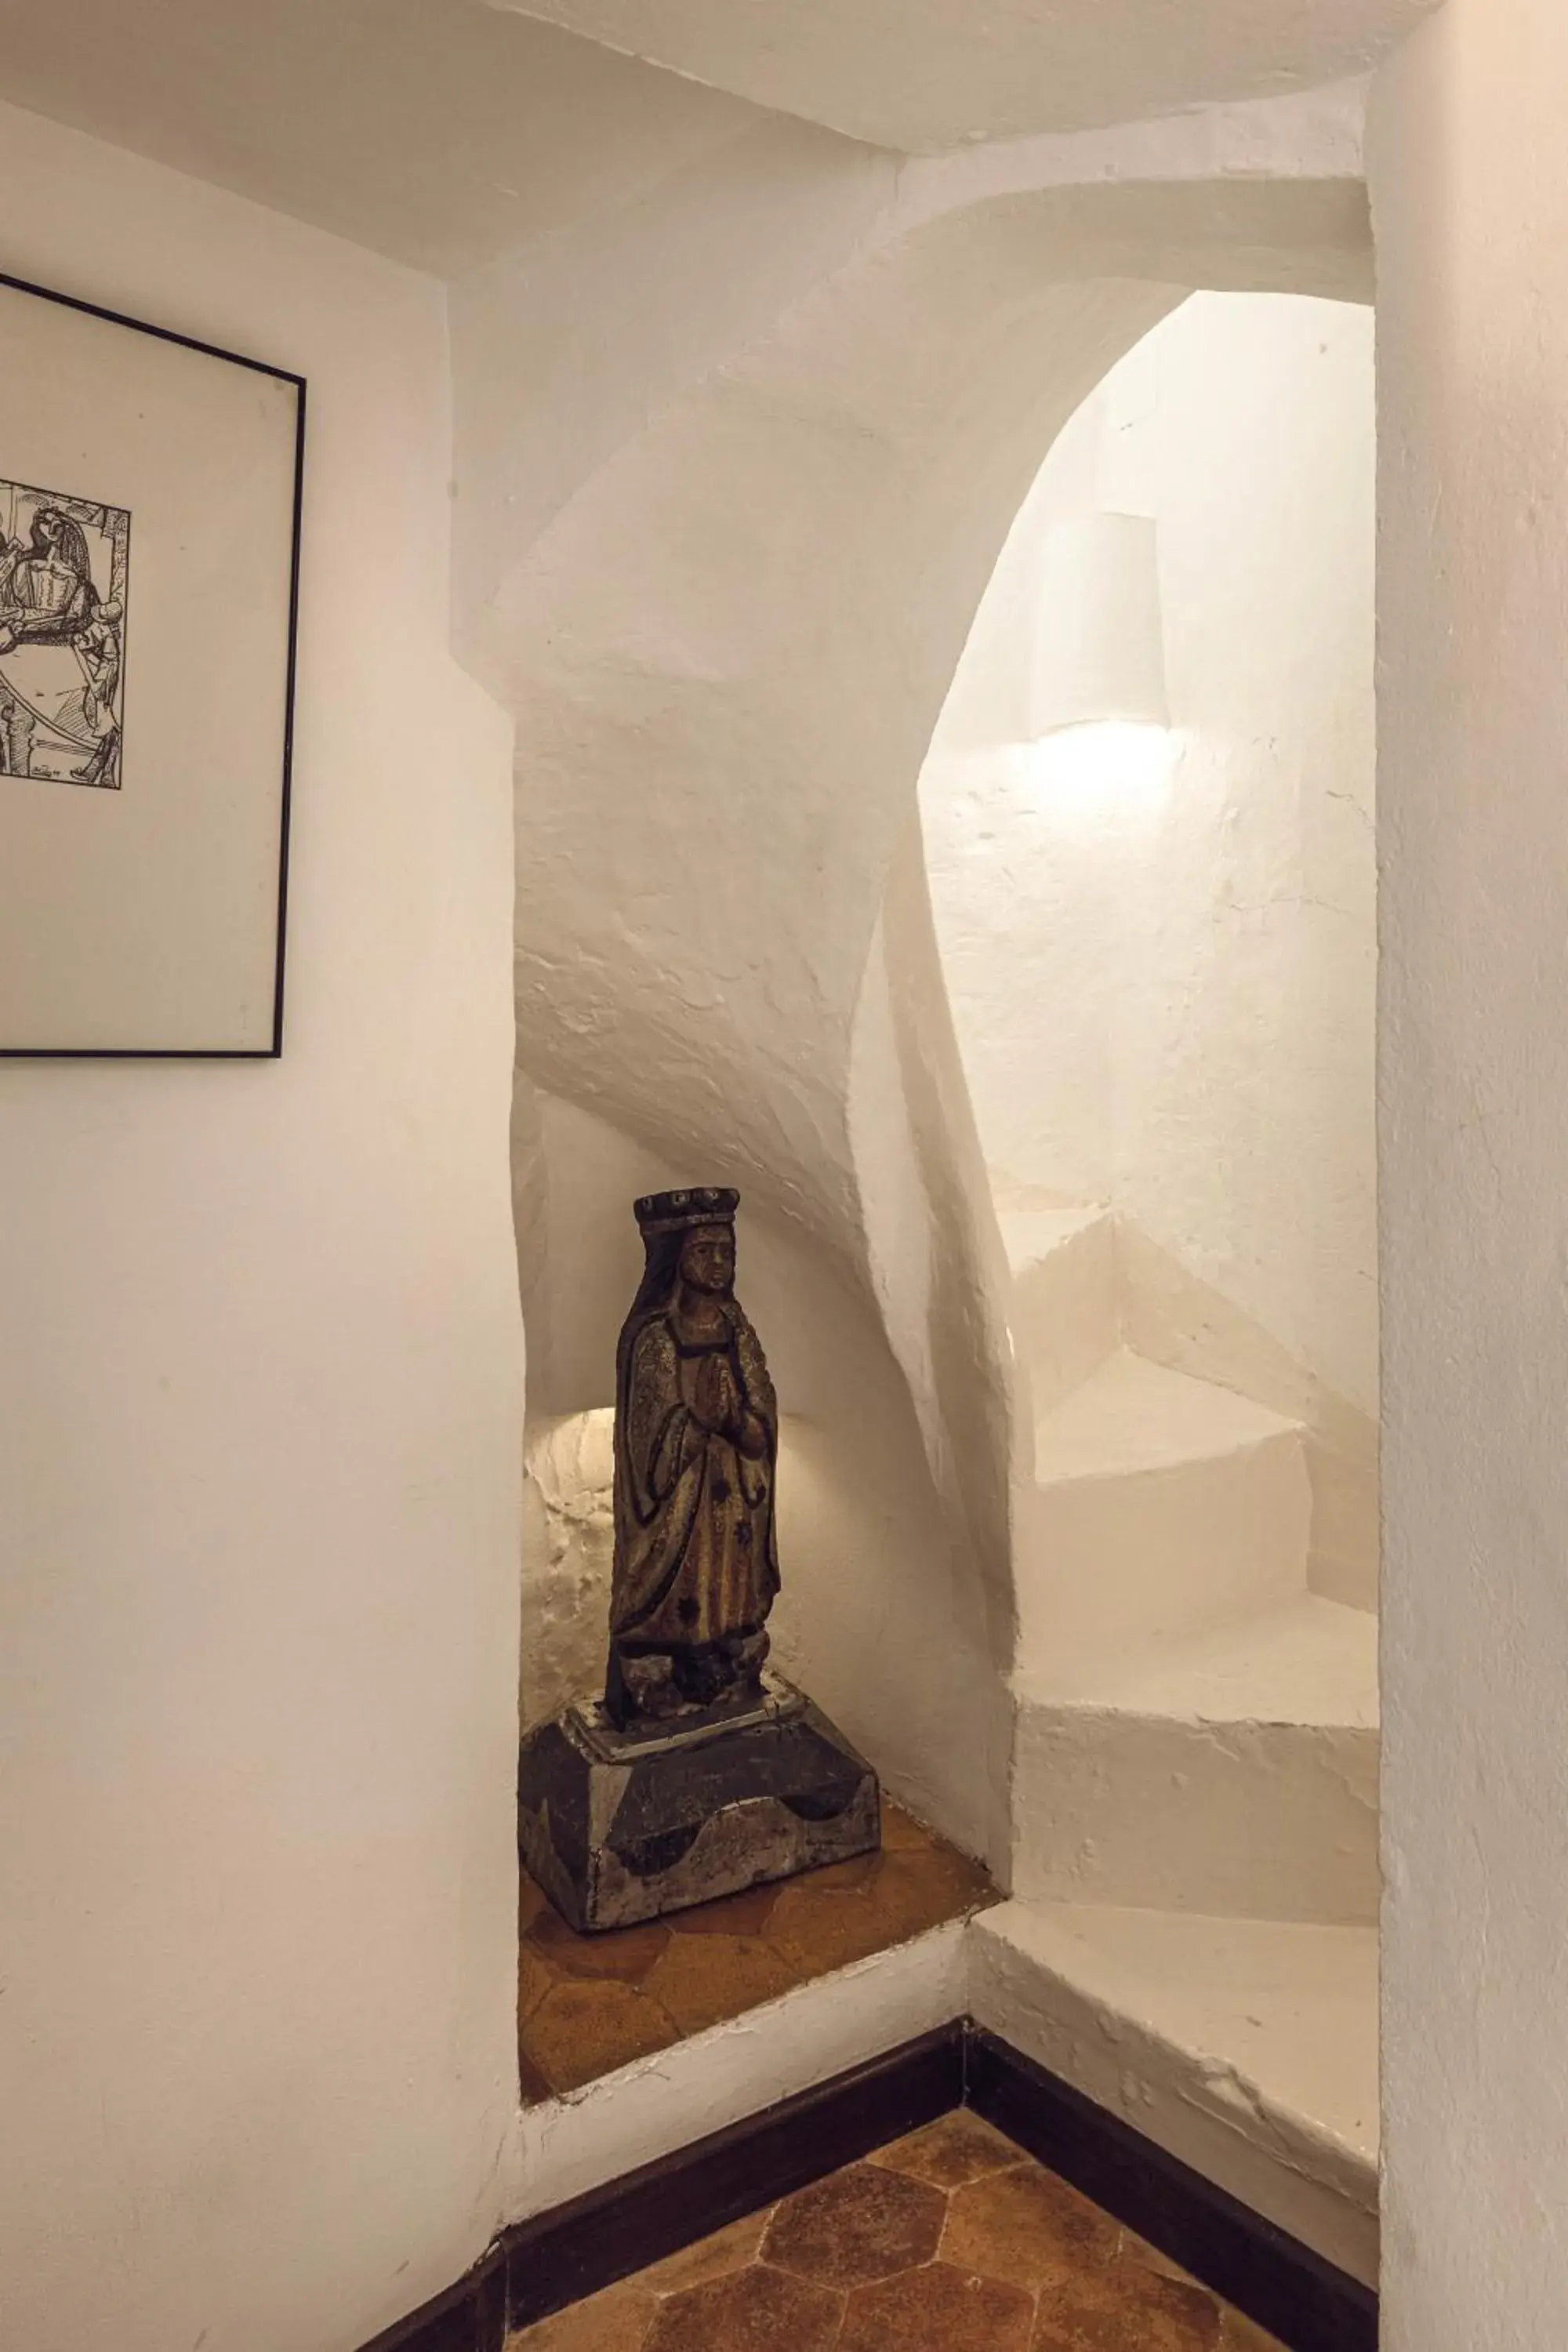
x=672 y=1213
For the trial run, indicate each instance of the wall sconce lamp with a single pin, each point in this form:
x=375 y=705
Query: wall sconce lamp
x=1100 y=709
x=1099 y=647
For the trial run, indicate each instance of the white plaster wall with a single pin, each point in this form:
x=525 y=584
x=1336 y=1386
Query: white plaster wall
x=1470 y=186
x=259 y=1397
x=1162 y=977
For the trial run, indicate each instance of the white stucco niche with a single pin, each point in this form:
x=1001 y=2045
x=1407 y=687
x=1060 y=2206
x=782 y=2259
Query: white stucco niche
x=726 y=646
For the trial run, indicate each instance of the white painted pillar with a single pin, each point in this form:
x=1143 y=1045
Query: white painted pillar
x=1469 y=165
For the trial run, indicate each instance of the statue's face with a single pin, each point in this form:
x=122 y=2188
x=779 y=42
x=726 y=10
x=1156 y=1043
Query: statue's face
x=707 y=1259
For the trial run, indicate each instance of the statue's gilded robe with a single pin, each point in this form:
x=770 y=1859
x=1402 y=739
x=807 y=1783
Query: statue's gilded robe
x=696 y=1555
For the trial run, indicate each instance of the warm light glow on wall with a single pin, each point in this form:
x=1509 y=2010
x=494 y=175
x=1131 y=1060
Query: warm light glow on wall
x=1102 y=743
x=1110 y=767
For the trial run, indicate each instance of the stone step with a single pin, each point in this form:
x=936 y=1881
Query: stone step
x=1231 y=1771
x=1132 y=1415
x=1246 y=2048
x=1162 y=1503
x=1066 y=1309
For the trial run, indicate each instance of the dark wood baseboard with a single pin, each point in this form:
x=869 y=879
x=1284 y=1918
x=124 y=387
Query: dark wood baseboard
x=470 y=2318
x=1265 y=2273
x=574 y=2249
x=563 y=2255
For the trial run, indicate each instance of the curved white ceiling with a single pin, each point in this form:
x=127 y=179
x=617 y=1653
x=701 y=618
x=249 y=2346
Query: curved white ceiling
x=445 y=132
x=922 y=75
x=436 y=131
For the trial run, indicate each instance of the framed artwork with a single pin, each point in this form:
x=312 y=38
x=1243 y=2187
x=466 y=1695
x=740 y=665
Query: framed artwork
x=150 y=505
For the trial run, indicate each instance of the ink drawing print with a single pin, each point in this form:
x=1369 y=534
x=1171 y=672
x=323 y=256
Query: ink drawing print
x=150 y=502
x=64 y=596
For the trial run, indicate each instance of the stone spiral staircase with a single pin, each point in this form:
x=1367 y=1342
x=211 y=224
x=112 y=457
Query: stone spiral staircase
x=1191 y=1937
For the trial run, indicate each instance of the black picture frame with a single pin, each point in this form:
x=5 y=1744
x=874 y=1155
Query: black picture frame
x=296 y=385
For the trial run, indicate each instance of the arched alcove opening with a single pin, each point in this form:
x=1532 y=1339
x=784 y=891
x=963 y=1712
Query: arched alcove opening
x=738 y=632
x=726 y=652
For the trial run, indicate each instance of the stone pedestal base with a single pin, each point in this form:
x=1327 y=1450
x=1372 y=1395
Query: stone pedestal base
x=622 y=1826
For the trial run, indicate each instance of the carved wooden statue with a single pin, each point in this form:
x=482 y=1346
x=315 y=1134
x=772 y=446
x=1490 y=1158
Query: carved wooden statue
x=699 y=1776
x=696 y=1560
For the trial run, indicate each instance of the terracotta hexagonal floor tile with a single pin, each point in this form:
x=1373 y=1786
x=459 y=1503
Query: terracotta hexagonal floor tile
x=703 y=1979
x=616 y=2321
x=920 y=1889
x=582 y=2030
x=951 y=2152
x=901 y=1833
x=860 y=1871
x=816 y=1929
x=710 y=2257
x=938 y=2309
x=856 y=2226
x=731 y=1915
x=625 y=1953
x=1029 y=2228
x=533 y=1982
x=820 y=1925
x=1107 y=2311
x=755 y=2310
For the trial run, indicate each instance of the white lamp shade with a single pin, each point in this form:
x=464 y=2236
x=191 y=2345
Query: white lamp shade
x=1100 y=645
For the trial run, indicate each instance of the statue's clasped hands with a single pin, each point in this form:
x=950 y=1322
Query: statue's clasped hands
x=722 y=1410
x=718 y=1404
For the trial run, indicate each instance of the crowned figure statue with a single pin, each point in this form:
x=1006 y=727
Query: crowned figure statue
x=698 y=1774
x=696 y=1557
